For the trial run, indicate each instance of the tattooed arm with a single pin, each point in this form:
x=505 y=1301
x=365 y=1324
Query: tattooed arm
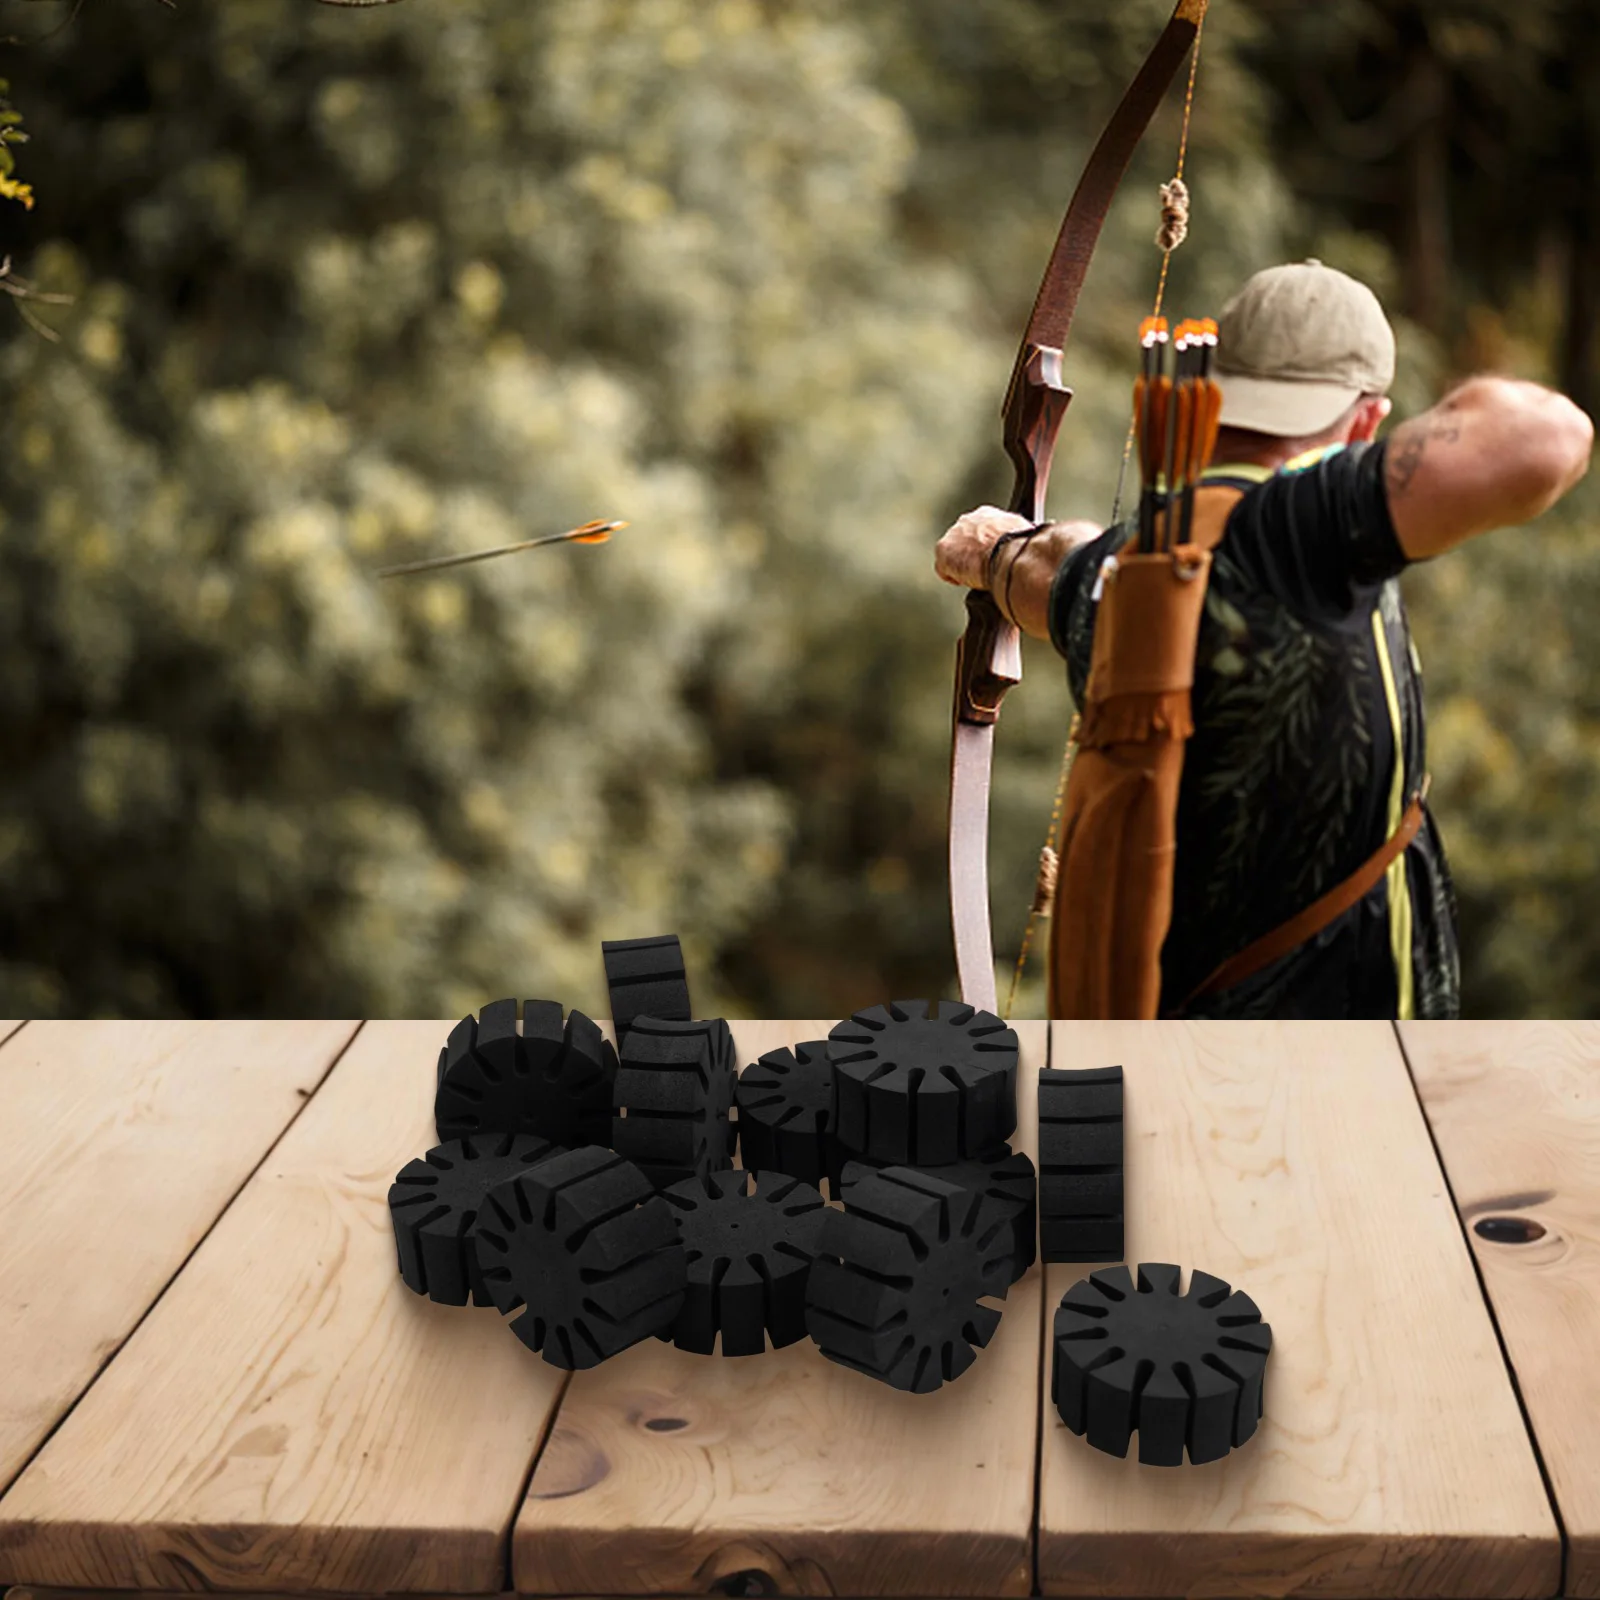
x=1493 y=453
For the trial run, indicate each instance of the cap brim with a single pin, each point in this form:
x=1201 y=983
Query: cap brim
x=1283 y=407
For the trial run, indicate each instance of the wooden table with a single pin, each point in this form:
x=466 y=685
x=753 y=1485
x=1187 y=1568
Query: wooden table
x=211 y=1376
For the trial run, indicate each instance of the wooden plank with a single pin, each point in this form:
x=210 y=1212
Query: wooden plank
x=125 y=1140
x=34 y=1591
x=1515 y=1109
x=1292 y=1160
x=290 y=1417
x=673 y=1473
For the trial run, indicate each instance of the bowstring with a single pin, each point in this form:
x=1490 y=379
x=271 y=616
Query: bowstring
x=1049 y=856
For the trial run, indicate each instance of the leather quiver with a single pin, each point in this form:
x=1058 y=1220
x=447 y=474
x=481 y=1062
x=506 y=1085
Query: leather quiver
x=1113 y=901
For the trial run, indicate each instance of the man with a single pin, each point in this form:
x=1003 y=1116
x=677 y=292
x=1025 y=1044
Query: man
x=1309 y=734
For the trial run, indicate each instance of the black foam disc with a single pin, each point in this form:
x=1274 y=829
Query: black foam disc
x=922 y=1085
x=785 y=1103
x=895 y=1289
x=1080 y=1165
x=1184 y=1371
x=646 y=978
x=672 y=1096
x=588 y=1250
x=750 y=1251
x=434 y=1201
x=1007 y=1177
x=550 y=1077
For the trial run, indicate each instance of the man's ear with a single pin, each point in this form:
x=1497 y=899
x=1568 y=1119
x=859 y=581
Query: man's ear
x=1371 y=410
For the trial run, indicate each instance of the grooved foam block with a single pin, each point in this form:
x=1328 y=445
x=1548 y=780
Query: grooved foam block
x=1182 y=1370
x=749 y=1257
x=785 y=1103
x=584 y=1243
x=673 y=1092
x=920 y=1088
x=434 y=1201
x=1080 y=1165
x=1008 y=1179
x=646 y=978
x=894 y=1290
x=549 y=1078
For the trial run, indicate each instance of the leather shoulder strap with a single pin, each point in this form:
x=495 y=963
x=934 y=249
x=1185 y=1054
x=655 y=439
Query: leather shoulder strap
x=1316 y=916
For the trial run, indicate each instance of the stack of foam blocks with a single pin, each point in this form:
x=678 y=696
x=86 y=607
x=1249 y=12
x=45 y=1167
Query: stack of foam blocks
x=589 y=1194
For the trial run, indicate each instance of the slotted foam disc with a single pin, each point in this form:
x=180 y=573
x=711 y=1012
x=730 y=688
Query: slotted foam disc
x=1006 y=1176
x=785 y=1103
x=645 y=978
x=672 y=1095
x=1184 y=1371
x=1081 y=1164
x=896 y=1287
x=540 y=1074
x=589 y=1253
x=923 y=1085
x=434 y=1201
x=750 y=1240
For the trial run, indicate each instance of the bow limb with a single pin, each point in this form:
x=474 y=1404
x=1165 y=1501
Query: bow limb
x=989 y=656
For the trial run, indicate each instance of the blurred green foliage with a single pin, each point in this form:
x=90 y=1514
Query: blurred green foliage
x=356 y=286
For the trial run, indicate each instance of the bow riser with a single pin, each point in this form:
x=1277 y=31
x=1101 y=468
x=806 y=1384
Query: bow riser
x=1035 y=405
x=988 y=664
x=989 y=655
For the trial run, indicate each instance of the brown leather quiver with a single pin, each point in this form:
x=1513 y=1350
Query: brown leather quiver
x=1113 y=901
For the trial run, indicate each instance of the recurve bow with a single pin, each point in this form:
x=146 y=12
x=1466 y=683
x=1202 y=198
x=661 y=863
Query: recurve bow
x=989 y=656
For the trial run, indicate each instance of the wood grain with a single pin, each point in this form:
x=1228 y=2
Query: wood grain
x=124 y=1142
x=34 y=1591
x=291 y=1417
x=670 y=1473
x=1515 y=1108
x=1292 y=1160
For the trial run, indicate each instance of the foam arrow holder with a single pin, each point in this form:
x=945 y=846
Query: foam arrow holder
x=673 y=1092
x=785 y=1103
x=750 y=1239
x=589 y=1253
x=1184 y=1371
x=549 y=1077
x=434 y=1201
x=1080 y=1165
x=923 y=1085
x=646 y=978
x=896 y=1287
x=1006 y=1177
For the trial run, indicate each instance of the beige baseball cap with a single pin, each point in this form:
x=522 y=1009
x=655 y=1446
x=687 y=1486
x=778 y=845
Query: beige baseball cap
x=1298 y=346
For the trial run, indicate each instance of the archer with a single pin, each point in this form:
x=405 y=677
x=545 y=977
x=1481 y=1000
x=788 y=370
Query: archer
x=1306 y=768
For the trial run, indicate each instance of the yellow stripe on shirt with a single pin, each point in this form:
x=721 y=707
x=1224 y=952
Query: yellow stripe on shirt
x=1241 y=469
x=1399 y=884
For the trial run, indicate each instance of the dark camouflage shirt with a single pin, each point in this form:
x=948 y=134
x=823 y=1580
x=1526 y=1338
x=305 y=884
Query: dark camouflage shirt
x=1309 y=741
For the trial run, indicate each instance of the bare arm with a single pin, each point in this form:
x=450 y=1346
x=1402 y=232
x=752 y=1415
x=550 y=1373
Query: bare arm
x=1492 y=454
x=1024 y=570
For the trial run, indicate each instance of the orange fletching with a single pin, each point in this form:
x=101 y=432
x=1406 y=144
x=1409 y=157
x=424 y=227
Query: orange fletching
x=1153 y=444
x=594 y=532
